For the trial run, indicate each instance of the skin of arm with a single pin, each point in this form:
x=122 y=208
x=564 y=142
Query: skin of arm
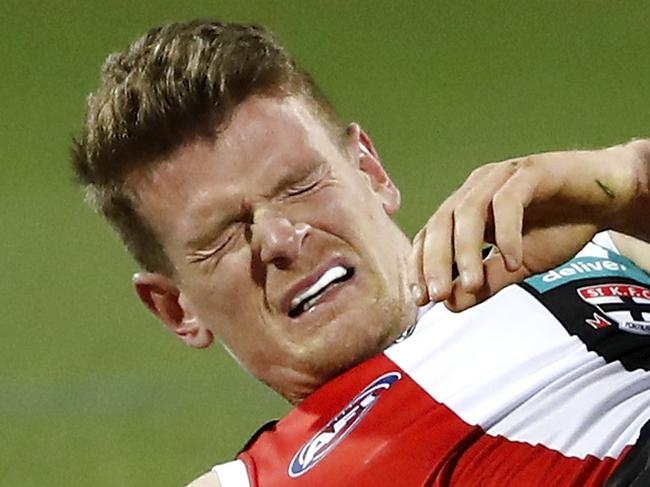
x=634 y=249
x=538 y=211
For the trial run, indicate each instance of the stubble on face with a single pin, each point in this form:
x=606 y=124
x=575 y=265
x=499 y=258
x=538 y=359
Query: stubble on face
x=235 y=292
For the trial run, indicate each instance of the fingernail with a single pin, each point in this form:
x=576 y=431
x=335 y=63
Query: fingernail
x=416 y=292
x=434 y=290
x=512 y=262
x=467 y=279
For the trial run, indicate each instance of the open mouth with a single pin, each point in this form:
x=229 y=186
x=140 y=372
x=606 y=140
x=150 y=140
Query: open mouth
x=310 y=297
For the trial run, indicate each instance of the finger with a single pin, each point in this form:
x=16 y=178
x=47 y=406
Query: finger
x=433 y=256
x=438 y=254
x=471 y=219
x=509 y=205
x=497 y=276
x=417 y=281
x=508 y=217
x=469 y=230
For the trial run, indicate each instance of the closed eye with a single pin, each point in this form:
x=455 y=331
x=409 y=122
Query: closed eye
x=204 y=254
x=297 y=190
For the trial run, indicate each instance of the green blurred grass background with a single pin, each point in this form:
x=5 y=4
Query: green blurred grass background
x=92 y=390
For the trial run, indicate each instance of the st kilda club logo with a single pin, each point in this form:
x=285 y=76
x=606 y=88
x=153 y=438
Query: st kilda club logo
x=624 y=305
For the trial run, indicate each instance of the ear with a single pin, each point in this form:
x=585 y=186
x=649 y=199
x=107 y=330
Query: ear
x=369 y=163
x=161 y=296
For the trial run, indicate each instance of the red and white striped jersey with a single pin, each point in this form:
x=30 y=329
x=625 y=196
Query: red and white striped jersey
x=545 y=384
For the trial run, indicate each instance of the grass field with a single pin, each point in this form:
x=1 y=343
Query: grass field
x=92 y=390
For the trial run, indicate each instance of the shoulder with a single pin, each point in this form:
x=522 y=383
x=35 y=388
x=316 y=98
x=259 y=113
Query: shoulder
x=209 y=479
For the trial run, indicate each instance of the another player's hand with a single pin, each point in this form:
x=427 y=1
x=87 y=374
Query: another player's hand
x=537 y=210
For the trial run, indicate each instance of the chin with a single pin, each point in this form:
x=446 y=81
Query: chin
x=349 y=341
x=344 y=355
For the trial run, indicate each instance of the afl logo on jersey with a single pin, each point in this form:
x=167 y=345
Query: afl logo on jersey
x=626 y=305
x=341 y=425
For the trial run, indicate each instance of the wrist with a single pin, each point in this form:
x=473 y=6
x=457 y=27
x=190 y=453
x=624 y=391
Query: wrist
x=641 y=149
x=632 y=219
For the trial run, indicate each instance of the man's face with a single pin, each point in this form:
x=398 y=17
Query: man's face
x=283 y=245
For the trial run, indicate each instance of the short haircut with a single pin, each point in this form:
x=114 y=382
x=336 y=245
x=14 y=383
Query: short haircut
x=177 y=83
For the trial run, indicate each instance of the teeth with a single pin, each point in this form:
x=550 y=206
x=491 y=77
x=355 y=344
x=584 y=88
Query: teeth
x=325 y=280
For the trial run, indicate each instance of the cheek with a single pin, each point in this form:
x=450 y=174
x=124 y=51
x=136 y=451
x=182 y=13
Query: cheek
x=342 y=211
x=230 y=306
x=224 y=294
x=354 y=214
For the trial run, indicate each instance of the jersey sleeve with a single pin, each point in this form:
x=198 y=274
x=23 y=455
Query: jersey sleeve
x=604 y=239
x=232 y=474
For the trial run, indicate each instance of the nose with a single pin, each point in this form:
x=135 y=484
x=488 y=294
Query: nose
x=277 y=240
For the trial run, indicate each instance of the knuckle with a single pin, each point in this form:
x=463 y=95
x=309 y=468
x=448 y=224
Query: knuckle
x=420 y=235
x=438 y=219
x=537 y=165
x=472 y=207
x=441 y=216
x=490 y=166
x=465 y=205
x=447 y=206
x=438 y=252
x=477 y=171
x=532 y=163
x=465 y=254
x=511 y=167
x=413 y=258
x=502 y=200
x=480 y=171
x=505 y=243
